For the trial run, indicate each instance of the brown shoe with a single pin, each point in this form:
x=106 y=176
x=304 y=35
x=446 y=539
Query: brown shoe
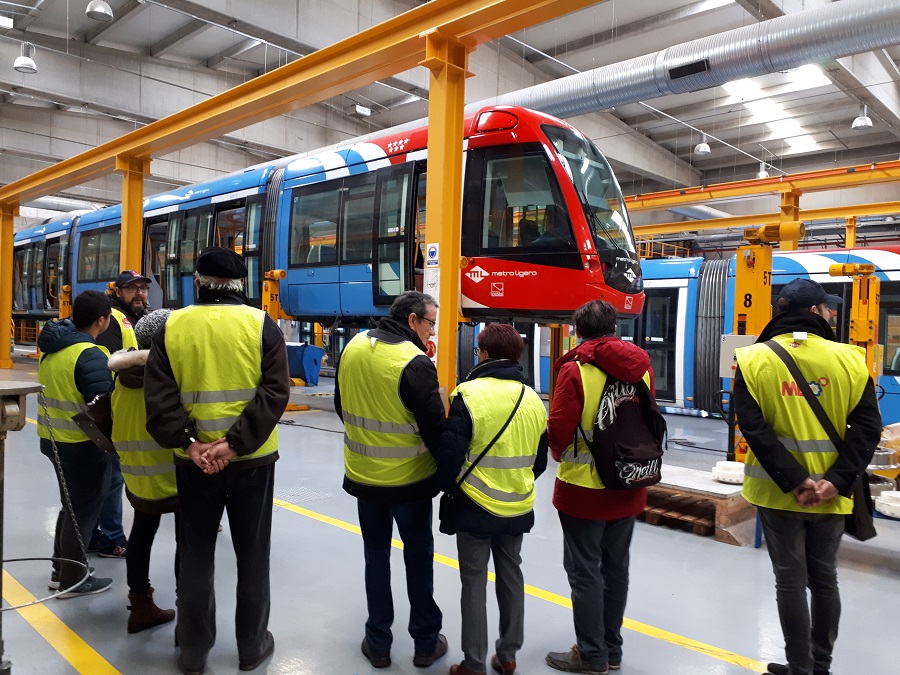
x=572 y=662
x=460 y=669
x=425 y=660
x=503 y=667
x=377 y=660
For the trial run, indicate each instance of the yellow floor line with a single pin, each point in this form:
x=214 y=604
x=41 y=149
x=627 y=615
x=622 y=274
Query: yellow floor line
x=636 y=626
x=63 y=639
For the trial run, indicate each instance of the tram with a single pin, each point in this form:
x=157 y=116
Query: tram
x=544 y=229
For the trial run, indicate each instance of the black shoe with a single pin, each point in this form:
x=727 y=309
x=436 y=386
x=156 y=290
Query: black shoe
x=266 y=652
x=778 y=669
x=191 y=670
x=425 y=660
x=377 y=660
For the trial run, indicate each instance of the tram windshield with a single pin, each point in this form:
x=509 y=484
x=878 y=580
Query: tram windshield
x=597 y=188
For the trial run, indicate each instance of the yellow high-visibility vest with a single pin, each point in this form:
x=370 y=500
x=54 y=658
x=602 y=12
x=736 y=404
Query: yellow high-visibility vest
x=62 y=399
x=129 y=341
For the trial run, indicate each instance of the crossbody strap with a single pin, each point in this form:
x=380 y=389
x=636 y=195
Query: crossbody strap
x=805 y=389
x=494 y=440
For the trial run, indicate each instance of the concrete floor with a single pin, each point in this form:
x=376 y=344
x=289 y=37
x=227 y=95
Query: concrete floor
x=695 y=607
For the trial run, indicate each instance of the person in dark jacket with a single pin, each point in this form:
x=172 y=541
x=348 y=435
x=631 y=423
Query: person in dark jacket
x=216 y=384
x=73 y=371
x=597 y=523
x=386 y=392
x=129 y=303
x=793 y=473
x=148 y=471
x=492 y=506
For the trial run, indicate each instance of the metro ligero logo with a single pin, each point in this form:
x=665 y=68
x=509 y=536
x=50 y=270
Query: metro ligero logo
x=477 y=274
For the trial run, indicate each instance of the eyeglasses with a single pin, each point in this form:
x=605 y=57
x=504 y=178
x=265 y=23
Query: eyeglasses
x=136 y=289
x=431 y=322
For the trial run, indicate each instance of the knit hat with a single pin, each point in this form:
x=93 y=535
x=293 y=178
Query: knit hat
x=148 y=325
x=215 y=261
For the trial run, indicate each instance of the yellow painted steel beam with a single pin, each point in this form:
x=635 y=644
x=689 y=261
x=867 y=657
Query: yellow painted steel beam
x=837 y=212
x=381 y=51
x=850 y=232
x=447 y=59
x=7 y=213
x=684 y=226
x=790 y=213
x=813 y=181
x=133 y=170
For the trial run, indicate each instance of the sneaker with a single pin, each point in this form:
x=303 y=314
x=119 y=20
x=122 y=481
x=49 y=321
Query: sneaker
x=571 y=662
x=778 y=669
x=425 y=660
x=113 y=552
x=92 y=586
x=54 y=580
x=377 y=660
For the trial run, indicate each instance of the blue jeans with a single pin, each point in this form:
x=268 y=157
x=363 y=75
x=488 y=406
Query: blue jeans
x=803 y=550
x=109 y=532
x=595 y=557
x=414 y=524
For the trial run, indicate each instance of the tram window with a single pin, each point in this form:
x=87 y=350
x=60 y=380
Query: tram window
x=314 y=215
x=889 y=327
x=251 y=250
x=20 y=277
x=195 y=236
x=55 y=275
x=230 y=229
x=359 y=211
x=37 y=278
x=98 y=258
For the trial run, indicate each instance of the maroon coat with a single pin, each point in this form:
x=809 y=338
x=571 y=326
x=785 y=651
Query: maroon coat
x=624 y=361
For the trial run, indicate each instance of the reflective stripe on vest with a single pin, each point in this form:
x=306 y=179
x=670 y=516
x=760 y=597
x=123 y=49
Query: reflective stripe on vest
x=148 y=469
x=129 y=341
x=382 y=445
x=840 y=377
x=216 y=357
x=576 y=464
x=502 y=483
x=63 y=401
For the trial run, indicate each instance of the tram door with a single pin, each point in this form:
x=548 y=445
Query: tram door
x=657 y=334
x=238 y=226
x=399 y=200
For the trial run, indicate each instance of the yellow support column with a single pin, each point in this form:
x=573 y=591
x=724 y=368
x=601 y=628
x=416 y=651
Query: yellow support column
x=864 y=311
x=790 y=213
x=271 y=295
x=850 y=232
x=133 y=170
x=7 y=213
x=447 y=59
x=752 y=289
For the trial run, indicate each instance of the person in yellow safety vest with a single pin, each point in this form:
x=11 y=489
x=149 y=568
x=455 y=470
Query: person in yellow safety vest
x=148 y=471
x=129 y=304
x=216 y=384
x=492 y=509
x=386 y=392
x=73 y=371
x=597 y=523
x=793 y=472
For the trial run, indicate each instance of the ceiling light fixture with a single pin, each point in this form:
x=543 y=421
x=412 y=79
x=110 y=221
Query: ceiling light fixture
x=762 y=173
x=863 y=121
x=25 y=62
x=702 y=148
x=99 y=10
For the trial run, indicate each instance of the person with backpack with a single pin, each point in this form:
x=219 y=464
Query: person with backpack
x=493 y=448
x=597 y=522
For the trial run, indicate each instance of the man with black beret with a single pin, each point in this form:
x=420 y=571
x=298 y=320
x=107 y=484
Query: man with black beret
x=222 y=422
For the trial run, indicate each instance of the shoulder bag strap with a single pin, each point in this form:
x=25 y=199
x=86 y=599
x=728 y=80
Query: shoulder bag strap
x=804 y=388
x=494 y=440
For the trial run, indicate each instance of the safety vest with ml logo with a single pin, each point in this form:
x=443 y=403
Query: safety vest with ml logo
x=502 y=482
x=62 y=398
x=129 y=341
x=838 y=376
x=216 y=357
x=147 y=468
x=382 y=445
x=576 y=466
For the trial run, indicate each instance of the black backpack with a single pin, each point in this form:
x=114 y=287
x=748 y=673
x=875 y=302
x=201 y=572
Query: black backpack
x=629 y=436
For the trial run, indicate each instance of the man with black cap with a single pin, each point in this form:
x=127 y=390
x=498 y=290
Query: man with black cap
x=794 y=473
x=129 y=304
x=231 y=364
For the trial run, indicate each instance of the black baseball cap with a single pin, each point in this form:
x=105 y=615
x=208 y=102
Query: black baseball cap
x=804 y=293
x=130 y=277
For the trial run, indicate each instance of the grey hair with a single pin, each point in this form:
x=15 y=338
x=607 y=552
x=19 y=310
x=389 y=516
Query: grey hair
x=219 y=283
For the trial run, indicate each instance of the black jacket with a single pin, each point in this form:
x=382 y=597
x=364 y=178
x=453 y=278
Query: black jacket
x=465 y=515
x=863 y=422
x=419 y=392
x=169 y=423
x=92 y=376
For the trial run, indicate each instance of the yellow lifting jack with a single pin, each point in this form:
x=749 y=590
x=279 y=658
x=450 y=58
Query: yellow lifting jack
x=864 y=311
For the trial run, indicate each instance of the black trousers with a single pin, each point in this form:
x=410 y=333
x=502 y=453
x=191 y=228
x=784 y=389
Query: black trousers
x=85 y=469
x=246 y=494
x=140 y=543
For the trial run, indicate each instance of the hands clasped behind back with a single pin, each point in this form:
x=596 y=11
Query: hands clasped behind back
x=211 y=457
